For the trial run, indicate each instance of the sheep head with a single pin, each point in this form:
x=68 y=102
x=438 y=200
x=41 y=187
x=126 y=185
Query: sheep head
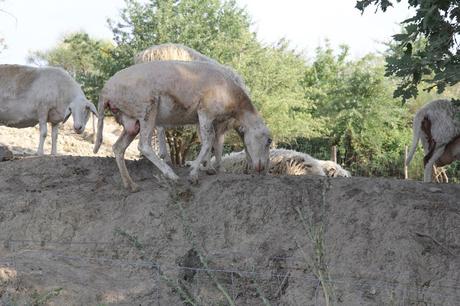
x=80 y=109
x=257 y=142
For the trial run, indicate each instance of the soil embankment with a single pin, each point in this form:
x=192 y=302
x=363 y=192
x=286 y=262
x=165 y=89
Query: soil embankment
x=71 y=235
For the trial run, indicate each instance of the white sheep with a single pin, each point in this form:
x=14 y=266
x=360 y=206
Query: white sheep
x=180 y=52
x=30 y=95
x=172 y=93
x=286 y=162
x=438 y=127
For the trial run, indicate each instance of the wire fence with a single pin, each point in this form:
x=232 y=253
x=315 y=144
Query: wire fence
x=242 y=284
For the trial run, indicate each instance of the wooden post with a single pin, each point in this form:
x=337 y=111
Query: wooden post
x=334 y=154
x=406 y=173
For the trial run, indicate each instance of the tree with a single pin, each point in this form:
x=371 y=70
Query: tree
x=436 y=61
x=354 y=99
x=2 y=39
x=82 y=57
x=220 y=30
x=214 y=28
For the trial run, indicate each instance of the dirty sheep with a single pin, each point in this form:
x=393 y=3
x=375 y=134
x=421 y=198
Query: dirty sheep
x=168 y=52
x=174 y=93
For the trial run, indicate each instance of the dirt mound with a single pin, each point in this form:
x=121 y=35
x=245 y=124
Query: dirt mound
x=70 y=235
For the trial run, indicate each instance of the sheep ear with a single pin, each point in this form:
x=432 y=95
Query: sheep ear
x=92 y=109
x=68 y=111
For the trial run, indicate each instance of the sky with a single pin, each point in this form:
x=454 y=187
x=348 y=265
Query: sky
x=31 y=25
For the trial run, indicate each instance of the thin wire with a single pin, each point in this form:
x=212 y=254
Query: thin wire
x=150 y=264
x=267 y=274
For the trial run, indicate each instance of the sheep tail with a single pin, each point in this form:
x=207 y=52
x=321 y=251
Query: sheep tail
x=100 y=125
x=417 y=126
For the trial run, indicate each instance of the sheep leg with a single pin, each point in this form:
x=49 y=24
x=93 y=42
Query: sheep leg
x=119 y=149
x=219 y=146
x=43 y=128
x=146 y=130
x=207 y=137
x=54 y=135
x=427 y=177
x=161 y=134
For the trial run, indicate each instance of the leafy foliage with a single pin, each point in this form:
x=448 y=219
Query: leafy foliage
x=83 y=57
x=308 y=105
x=354 y=98
x=437 y=60
x=221 y=31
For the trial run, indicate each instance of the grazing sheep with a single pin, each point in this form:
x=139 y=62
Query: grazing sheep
x=172 y=93
x=438 y=127
x=287 y=162
x=168 y=52
x=30 y=95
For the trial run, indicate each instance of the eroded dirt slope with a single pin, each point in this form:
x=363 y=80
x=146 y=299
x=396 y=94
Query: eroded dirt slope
x=70 y=235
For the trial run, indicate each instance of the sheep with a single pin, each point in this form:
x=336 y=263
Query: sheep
x=30 y=95
x=172 y=93
x=287 y=162
x=183 y=53
x=438 y=127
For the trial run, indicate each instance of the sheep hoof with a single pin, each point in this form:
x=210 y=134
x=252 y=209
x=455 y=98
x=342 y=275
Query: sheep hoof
x=133 y=188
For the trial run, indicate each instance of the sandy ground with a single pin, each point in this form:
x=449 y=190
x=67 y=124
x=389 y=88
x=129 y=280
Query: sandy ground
x=24 y=142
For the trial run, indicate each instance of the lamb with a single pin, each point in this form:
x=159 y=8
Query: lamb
x=183 y=53
x=287 y=162
x=172 y=93
x=438 y=127
x=30 y=95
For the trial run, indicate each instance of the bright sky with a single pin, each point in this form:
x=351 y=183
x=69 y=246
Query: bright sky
x=39 y=24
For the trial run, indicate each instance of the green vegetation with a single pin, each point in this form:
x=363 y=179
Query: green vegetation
x=428 y=44
x=309 y=104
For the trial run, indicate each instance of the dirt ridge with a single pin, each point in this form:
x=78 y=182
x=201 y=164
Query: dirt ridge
x=71 y=235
